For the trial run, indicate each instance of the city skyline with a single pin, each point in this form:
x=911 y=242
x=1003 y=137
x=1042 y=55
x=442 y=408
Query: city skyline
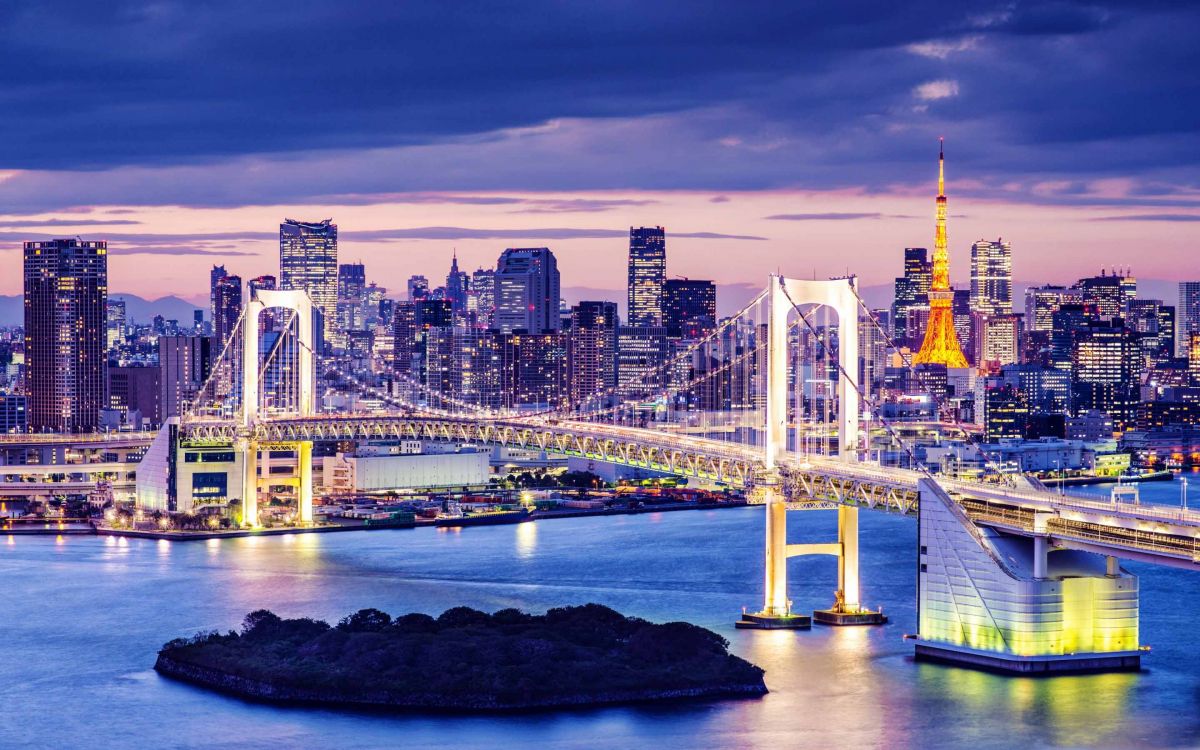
x=781 y=160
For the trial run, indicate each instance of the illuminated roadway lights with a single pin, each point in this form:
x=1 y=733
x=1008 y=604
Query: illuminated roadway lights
x=783 y=297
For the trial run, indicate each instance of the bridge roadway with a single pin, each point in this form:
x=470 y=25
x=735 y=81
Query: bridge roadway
x=1141 y=532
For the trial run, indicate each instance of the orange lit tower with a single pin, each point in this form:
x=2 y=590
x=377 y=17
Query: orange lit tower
x=941 y=342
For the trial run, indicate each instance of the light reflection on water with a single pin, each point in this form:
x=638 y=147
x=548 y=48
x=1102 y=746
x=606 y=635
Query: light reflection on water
x=87 y=614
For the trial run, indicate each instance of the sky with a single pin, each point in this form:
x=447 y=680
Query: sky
x=796 y=137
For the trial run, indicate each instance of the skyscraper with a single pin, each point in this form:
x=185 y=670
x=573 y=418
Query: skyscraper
x=226 y=311
x=527 y=291
x=1187 y=314
x=911 y=291
x=1105 y=365
x=184 y=363
x=689 y=307
x=457 y=284
x=66 y=295
x=216 y=274
x=941 y=341
x=647 y=272
x=991 y=277
x=352 y=291
x=116 y=323
x=591 y=348
x=1108 y=295
x=308 y=260
x=1041 y=302
x=482 y=297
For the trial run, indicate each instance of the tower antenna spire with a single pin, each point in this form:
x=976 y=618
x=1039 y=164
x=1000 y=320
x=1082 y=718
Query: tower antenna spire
x=941 y=166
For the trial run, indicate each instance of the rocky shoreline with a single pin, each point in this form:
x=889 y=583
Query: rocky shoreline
x=260 y=690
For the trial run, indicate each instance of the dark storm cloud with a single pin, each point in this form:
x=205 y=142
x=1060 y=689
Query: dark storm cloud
x=482 y=96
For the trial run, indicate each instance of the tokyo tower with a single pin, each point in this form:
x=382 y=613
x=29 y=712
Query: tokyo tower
x=941 y=345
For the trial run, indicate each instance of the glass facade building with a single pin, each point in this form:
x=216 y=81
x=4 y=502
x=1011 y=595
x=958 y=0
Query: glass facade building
x=647 y=273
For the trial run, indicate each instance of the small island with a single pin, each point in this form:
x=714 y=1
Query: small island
x=464 y=660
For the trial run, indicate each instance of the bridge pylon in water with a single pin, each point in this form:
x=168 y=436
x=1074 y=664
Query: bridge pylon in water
x=782 y=295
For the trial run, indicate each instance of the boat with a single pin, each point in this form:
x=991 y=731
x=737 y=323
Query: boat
x=486 y=518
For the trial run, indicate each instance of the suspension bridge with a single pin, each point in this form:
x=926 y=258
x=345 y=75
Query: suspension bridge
x=775 y=401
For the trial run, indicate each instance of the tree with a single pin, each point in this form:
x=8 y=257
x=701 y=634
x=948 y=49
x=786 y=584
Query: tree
x=368 y=620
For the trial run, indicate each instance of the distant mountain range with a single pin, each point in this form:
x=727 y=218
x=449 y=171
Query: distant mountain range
x=137 y=309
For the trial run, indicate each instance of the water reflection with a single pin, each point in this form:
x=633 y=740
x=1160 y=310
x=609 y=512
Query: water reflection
x=830 y=687
x=1072 y=711
x=526 y=539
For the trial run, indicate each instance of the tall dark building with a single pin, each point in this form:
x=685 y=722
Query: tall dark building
x=1105 y=365
x=352 y=293
x=66 y=295
x=1108 y=294
x=227 y=310
x=216 y=274
x=526 y=291
x=689 y=307
x=647 y=272
x=136 y=389
x=404 y=332
x=991 y=277
x=911 y=291
x=457 y=284
x=184 y=363
x=308 y=260
x=591 y=348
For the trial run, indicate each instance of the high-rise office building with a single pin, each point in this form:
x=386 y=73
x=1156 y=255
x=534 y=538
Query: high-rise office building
x=689 y=307
x=641 y=353
x=1105 y=366
x=184 y=363
x=1187 y=313
x=404 y=337
x=308 y=260
x=352 y=293
x=457 y=285
x=533 y=369
x=526 y=291
x=647 y=272
x=66 y=295
x=216 y=274
x=997 y=339
x=1041 y=302
x=1107 y=294
x=991 y=277
x=136 y=391
x=591 y=346
x=481 y=298
x=911 y=291
x=227 y=309
x=116 y=321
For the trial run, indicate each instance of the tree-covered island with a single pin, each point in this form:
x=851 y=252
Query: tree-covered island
x=464 y=659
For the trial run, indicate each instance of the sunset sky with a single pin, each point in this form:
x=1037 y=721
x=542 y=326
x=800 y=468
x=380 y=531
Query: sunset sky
x=763 y=136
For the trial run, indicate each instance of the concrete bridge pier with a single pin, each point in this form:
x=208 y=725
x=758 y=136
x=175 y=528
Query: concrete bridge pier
x=304 y=492
x=247 y=448
x=1010 y=603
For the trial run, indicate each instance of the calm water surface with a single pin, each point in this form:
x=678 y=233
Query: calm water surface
x=82 y=618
